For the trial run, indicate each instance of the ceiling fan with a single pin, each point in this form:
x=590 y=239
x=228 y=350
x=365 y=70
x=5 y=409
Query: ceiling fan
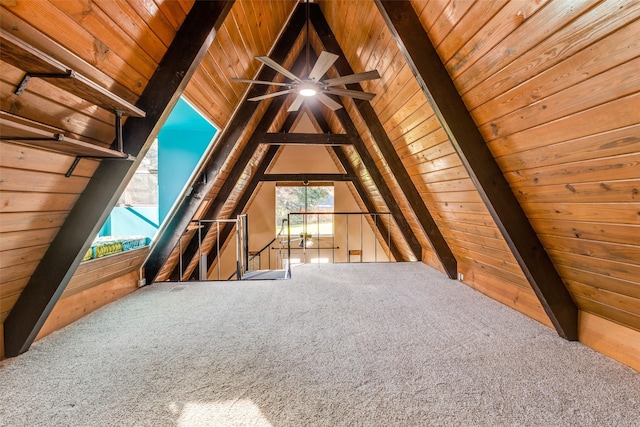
x=313 y=85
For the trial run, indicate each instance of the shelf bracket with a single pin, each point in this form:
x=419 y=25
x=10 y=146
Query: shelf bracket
x=56 y=137
x=28 y=76
x=73 y=166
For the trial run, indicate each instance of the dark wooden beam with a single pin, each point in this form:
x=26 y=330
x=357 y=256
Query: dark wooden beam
x=178 y=222
x=284 y=138
x=307 y=177
x=369 y=116
x=105 y=187
x=357 y=184
x=381 y=185
x=371 y=207
x=484 y=171
x=215 y=207
x=244 y=199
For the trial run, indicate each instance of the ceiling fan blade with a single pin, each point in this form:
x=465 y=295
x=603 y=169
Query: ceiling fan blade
x=271 y=95
x=367 y=96
x=328 y=101
x=295 y=105
x=353 y=78
x=259 y=82
x=324 y=62
x=279 y=68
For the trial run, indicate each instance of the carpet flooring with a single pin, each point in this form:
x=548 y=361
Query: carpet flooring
x=337 y=345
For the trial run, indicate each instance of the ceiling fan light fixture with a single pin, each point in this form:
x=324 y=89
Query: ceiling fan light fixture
x=307 y=90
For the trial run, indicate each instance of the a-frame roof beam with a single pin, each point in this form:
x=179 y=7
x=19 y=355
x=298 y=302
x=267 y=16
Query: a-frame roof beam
x=103 y=190
x=357 y=184
x=283 y=138
x=440 y=246
x=421 y=56
x=244 y=199
x=275 y=108
x=307 y=177
x=362 y=192
x=177 y=223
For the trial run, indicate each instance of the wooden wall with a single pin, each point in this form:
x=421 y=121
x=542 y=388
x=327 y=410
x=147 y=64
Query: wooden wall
x=554 y=88
x=116 y=45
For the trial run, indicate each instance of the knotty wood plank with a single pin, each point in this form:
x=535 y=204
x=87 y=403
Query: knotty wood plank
x=19 y=221
x=617 y=48
x=26 y=238
x=617 y=270
x=24 y=157
x=615 y=233
x=130 y=23
x=43 y=182
x=527 y=33
x=503 y=23
x=617 y=213
x=109 y=34
x=620 y=167
x=602 y=118
x=481 y=166
x=590 y=192
x=21 y=256
x=520 y=299
x=627 y=253
x=622 y=317
x=625 y=140
x=161 y=25
x=128 y=88
x=563 y=42
x=613 y=84
x=12 y=201
x=452 y=14
x=466 y=27
x=18 y=271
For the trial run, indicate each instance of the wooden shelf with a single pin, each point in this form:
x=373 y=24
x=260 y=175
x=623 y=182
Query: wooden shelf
x=40 y=65
x=24 y=131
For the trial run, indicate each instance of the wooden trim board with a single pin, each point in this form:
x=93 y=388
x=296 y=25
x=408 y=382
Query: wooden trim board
x=610 y=338
x=69 y=309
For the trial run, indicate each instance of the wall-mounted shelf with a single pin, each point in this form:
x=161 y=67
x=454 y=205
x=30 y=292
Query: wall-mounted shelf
x=38 y=64
x=24 y=131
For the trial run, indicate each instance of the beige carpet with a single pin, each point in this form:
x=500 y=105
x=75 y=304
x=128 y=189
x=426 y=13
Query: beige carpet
x=338 y=345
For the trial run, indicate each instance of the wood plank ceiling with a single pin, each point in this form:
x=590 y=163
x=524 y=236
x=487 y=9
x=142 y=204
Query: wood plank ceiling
x=552 y=86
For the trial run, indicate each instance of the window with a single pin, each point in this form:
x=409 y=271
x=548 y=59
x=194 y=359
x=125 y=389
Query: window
x=314 y=199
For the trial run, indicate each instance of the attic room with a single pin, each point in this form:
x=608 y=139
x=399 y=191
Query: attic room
x=478 y=152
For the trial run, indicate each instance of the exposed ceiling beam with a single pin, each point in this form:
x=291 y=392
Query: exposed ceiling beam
x=192 y=249
x=307 y=177
x=368 y=114
x=105 y=187
x=244 y=199
x=357 y=184
x=421 y=56
x=174 y=226
x=371 y=207
x=284 y=138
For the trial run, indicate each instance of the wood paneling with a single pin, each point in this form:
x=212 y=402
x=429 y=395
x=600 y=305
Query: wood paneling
x=555 y=96
x=73 y=307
